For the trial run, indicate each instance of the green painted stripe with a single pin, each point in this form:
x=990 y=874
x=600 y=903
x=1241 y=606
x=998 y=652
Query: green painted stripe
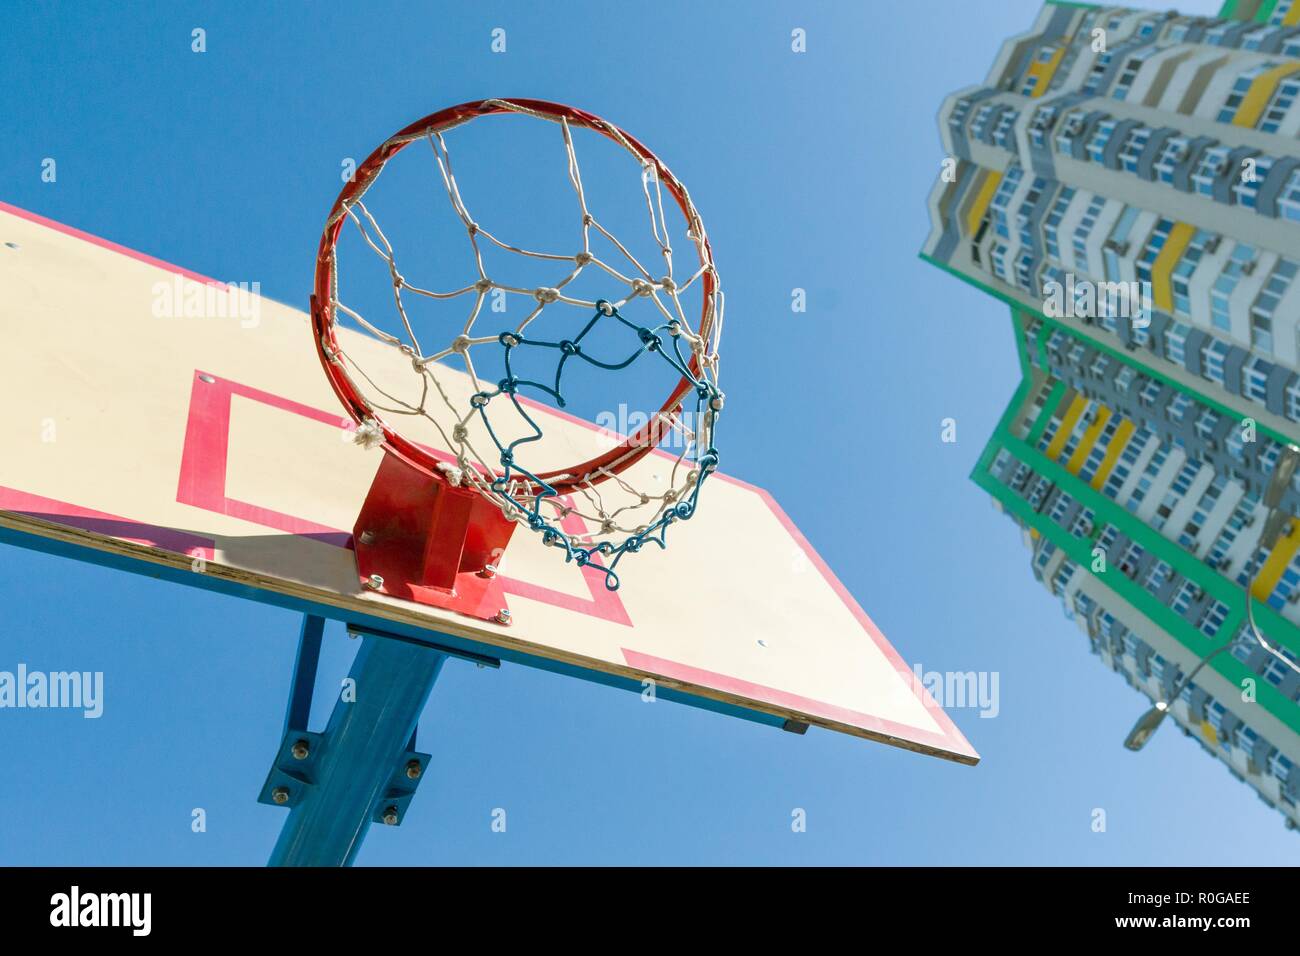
x=1160 y=615
x=1265 y=11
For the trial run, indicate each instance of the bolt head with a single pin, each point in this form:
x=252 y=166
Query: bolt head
x=367 y=537
x=413 y=769
x=503 y=616
x=280 y=795
x=375 y=582
x=489 y=571
x=300 y=750
x=390 y=816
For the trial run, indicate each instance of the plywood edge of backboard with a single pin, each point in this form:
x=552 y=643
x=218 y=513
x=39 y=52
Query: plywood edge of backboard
x=34 y=532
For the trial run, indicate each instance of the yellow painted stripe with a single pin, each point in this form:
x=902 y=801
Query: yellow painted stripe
x=1087 y=442
x=1292 y=16
x=1278 y=559
x=1207 y=731
x=1044 y=72
x=982 y=200
x=1122 y=435
x=1162 y=292
x=1067 y=425
x=1260 y=92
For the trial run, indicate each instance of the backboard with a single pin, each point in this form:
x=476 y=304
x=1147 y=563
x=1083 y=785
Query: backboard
x=161 y=424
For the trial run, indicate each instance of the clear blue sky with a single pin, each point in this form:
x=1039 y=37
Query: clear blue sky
x=812 y=171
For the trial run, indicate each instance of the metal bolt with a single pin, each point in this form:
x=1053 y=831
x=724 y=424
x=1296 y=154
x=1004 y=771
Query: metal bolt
x=375 y=582
x=207 y=379
x=390 y=816
x=503 y=616
x=413 y=769
x=489 y=571
x=280 y=795
x=367 y=537
x=300 y=750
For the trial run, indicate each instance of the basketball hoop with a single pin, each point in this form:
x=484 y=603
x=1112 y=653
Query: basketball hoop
x=435 y=520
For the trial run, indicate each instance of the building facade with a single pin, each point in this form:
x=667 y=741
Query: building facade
x=1129 y=183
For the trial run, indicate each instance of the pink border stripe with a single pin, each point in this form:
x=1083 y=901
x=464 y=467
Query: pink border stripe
x=100 y=522
x=105 y=244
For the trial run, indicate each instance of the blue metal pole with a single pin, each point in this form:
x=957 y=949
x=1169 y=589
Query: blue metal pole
x=363 y=746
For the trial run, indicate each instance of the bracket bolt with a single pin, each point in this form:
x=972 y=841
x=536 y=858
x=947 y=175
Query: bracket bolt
x=300 y=750
x=280 y=795
x=489 y=571
x=390 y=816
x=367 y=537
x=503 y=616
x=413 y=769
x=375 y=582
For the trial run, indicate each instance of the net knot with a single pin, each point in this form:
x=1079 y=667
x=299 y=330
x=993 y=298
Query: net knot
x=483 y=284
x=368 y=434
x=583 y=258
x=641 y=287
x=668 y=284
x=547 y=295
x=453 y=474
x=460 y=344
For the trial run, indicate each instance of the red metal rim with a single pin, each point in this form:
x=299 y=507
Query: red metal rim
x=619 y=457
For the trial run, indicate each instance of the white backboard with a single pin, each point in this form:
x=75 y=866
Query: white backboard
x=210 y=450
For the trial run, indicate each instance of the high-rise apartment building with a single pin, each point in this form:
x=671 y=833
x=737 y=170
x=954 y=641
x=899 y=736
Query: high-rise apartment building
x=1129 y=183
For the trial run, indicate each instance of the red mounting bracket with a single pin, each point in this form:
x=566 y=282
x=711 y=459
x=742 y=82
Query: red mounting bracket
x=421 y=539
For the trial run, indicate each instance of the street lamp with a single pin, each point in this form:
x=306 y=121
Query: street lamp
x=1274 y=525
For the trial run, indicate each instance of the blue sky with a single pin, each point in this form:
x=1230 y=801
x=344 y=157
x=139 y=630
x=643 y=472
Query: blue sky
x=811 y=171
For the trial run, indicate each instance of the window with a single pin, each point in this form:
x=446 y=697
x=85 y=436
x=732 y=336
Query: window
x=1002 y=132
x=1283 y=99
x=1053 y=222
x=1179 y=406
x=1146 y=261
x=1181 y=276
x=1246 y=192
x=1130 y=72
x=981 y=121
x=1085 y=227
x=1293 y=401
x=1002 y=199
x=1134 y=143
x=1221 y=292
x=1040 y=124
x=1096 y=148
x=1255 y=378
x=1172 y=154
x=1213 y=354
x=1288 y=200
x=1176 y=343
x=1071 y=127
x=1213 y=164
x=1241 y=87
x=1261 y=313
x=1116 y=244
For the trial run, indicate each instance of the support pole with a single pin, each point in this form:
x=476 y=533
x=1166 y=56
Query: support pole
x=363 y=744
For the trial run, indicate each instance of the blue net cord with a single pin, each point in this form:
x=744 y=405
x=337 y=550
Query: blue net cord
x=663 y=341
